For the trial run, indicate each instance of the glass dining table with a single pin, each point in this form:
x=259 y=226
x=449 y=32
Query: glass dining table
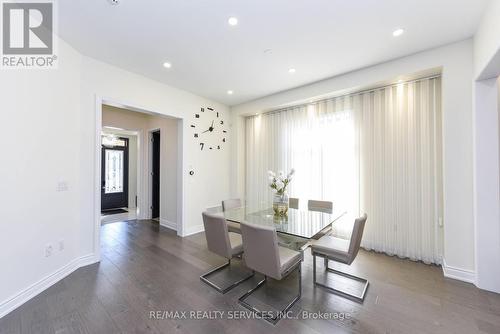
x=294 y=230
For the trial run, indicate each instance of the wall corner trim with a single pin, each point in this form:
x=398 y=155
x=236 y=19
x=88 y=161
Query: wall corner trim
x=168 y=224
x=460 y=274
x=25 y=295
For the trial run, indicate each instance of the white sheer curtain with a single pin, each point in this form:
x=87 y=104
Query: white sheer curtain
x=400 y=163
x=319 y=141
x=376 y=152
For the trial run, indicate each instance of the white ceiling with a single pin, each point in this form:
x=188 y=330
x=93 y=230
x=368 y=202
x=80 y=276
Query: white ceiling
x=319 y=38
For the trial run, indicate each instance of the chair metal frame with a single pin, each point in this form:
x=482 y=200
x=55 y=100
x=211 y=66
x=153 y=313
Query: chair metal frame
x=281 y=313
x=356 y=298
x=204 y=278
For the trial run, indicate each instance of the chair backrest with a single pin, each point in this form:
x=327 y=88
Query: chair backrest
x=216 y=234
x=293 y=202
x=260 y=249
x=356 y=236
x=214 y=209
x=323 y=206
x=229 y=204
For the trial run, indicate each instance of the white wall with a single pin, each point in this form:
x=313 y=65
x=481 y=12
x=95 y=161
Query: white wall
x=39 y=141
x=114 y=84
x=168 y=169
x=457 y=70
x=57 y=108
x=486 y=148
x=487 y=184
x=487 y=43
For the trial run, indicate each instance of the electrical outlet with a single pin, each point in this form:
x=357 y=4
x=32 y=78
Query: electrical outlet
x=62 y=186
x=48 y=250
x=61 y=245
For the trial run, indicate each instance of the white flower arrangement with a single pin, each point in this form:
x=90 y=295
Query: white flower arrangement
x=279 y=182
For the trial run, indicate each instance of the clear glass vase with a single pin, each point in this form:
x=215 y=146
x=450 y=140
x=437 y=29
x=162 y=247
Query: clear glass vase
x=280 y=204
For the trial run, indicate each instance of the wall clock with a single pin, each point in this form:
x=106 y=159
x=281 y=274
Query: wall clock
x=209 y=129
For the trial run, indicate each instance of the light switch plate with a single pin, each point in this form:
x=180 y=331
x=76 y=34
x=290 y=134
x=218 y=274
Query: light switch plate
x=62 y=186
x=61 y=245
x=48 y=250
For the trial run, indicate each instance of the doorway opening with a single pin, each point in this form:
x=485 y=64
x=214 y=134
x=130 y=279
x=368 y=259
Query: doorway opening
x=114 y=174
x=140 y=158
x=119 y=167
x=155 y=174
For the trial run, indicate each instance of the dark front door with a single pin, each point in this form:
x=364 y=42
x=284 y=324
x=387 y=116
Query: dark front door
x=155 y=174
x=114 y=174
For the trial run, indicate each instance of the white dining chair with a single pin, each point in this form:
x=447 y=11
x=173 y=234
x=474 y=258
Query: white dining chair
x=263 y=254
x=232 y=203
x=214 y=209
x=229 y=204
x=223 y=243
x=293 y=202
x=323 y=206
x=343 y=251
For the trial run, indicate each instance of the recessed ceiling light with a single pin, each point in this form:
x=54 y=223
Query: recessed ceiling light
x=229 y=92
x=232 y=21
x=400 y=80
x=291 y=70
x=167 y=65
x=398 y=32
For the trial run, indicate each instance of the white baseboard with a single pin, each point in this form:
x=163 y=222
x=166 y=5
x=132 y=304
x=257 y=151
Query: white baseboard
x=168 y=224
x=190 y=230
x=464 y=275
x=22 y=297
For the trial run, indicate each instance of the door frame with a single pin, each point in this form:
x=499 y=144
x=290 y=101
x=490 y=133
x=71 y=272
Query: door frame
x=99 y=101
x=150 y=170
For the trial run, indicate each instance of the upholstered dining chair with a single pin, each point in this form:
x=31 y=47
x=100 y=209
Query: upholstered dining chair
x=263 y=254
x=214 y=209
x=229 y=204
x=293 y=203
x=323 y=206
x=343 y=251
x=223 y=243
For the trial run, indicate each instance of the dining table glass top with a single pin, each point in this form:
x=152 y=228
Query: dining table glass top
x=302 y=223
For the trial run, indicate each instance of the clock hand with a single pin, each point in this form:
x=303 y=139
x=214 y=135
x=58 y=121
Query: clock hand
x=211 y=128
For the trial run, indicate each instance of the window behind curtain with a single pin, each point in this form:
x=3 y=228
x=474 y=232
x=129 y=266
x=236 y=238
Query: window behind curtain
x=377 y=152
x=318 y=140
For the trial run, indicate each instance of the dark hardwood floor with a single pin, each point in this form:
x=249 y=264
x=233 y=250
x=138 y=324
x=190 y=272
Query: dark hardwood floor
x=148 y=268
